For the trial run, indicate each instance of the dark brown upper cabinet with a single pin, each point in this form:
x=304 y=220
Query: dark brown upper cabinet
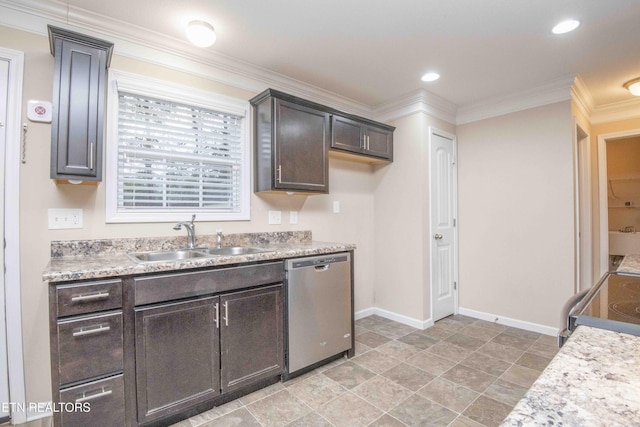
x=291 y=142
x=78 y=104
x=362 y=137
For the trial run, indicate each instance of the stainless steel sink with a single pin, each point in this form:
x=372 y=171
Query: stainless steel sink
x=183 y=254
x=166 y=255
x=231 y=250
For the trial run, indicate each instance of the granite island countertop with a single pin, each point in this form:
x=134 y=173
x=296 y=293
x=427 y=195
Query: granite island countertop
x=593 y=381
x=630 y=264
x=95 y=259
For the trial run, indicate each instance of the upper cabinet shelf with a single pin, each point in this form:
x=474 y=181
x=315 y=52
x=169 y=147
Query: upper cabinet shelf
x=78 y=105
x=293 y=137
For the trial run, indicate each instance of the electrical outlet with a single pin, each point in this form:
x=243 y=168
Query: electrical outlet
x=275 y=217
x=64 y=218
x=293 y=217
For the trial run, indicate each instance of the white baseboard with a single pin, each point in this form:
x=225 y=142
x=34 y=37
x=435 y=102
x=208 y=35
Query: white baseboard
x=424 y=324
x=507 y=321
x=405 y=320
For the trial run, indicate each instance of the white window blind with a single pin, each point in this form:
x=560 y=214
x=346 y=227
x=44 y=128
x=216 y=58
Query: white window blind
x=177 y=157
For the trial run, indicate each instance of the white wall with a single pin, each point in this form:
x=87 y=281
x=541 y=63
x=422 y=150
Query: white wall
x=516 y=212
x=351 y=183
x=401 y=221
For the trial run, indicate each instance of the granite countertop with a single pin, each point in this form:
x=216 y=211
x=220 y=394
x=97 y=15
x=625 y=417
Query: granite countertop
x=593 y=381
x=94 y=259
x=630 y=264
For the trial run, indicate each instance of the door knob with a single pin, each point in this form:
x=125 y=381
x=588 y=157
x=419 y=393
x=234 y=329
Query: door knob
x=437 y=236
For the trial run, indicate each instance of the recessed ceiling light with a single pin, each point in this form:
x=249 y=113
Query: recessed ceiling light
x=566 y=26
x=633 y=86
x=430 y=77
x=201 y=33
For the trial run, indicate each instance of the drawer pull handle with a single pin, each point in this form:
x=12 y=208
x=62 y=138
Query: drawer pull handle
x=91 y=330
x=90 y=297
x=226 y=313
x=98 y=395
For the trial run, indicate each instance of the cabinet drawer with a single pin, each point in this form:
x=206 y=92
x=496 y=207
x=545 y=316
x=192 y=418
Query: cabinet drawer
x=90 y=346
x=169 y=287
x=80 y=298
x=98 y=403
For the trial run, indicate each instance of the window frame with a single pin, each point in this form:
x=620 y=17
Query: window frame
x=159 y=89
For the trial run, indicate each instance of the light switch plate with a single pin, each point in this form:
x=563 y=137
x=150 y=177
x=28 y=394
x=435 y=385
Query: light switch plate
x=336 y=207
x=64 y=218
x=293 y=217
x=275 y=217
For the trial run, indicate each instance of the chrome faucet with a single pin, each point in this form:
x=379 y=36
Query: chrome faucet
x=219 y=237
x=191 y=231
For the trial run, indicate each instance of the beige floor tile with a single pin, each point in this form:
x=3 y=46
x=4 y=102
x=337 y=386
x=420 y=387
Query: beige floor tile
x=448 y=394
x=278 y=409
x=349 y=410
x=261 y=394
x=551 y=341
x=544 y=350
x=376 y=361
x=449 y=351
x=468 y=377
x=212 y=414
x=312 y=419
x=533 y=361
x=393 y=330
x=513 y=341
x=382 y=393
x=520 y=375
x=239 y=417
x=431 y=363
x=439 y=331
x=522 y=333
x=349 y=374
x=317 y=390
x=418 y=340
x=371 y=339
x=480 y=333
x=505 y=392
x=490 y=325
x=408 y=376
x=487 y=411
x=361 y=348
x=419 y=411
x=387 y=421
x=486 y=363
x=398 y=350
x=465 y=341
x=463 y=421
x=502 y=352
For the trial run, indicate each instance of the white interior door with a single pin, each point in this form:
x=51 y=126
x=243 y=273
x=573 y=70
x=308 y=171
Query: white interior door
x=4 y=370
x=443 y=197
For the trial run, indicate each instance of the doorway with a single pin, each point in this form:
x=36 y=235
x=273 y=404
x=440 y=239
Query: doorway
x=442 y=223
x=619 y=199
x=584 y=251
x=12 y=371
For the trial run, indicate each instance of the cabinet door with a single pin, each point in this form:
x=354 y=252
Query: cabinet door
x=346 y=134
x=379 y=142
x=251 y=336
x=301 y=147
x=177 y=356
x=78 y=110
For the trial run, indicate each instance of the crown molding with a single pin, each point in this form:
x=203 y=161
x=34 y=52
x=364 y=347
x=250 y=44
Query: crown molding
x=556 y=91
x=582 y=97
x=616 y=111
x=420 y=101
x=157 y=48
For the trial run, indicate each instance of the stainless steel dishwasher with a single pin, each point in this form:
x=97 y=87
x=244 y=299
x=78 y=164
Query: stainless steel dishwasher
x=319 y=308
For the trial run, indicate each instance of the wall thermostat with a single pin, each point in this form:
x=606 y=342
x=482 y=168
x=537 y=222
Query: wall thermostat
x=39 y=111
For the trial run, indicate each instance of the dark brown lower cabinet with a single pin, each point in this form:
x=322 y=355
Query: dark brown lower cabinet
x=251 y=336
x=177 y=356
x=188 y=352
x=98 y=403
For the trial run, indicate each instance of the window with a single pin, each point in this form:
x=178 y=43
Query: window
x=173 y=151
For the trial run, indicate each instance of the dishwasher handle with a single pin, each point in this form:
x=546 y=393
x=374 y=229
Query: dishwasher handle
x=323 y=267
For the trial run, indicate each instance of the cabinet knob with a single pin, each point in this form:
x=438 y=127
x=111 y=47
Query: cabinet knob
x=437 y=236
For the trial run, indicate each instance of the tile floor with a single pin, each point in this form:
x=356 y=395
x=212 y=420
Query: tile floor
x=459 y=372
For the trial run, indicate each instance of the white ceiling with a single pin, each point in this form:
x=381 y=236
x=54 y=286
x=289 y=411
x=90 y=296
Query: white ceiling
x=375 y=51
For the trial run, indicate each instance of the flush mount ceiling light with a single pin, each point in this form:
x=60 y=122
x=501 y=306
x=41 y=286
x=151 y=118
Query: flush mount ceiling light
x=430 y=77
x=566 y=26
x=633 y=86
x=201 y=33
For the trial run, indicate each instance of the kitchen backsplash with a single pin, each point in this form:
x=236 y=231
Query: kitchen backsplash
x=63 y=248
